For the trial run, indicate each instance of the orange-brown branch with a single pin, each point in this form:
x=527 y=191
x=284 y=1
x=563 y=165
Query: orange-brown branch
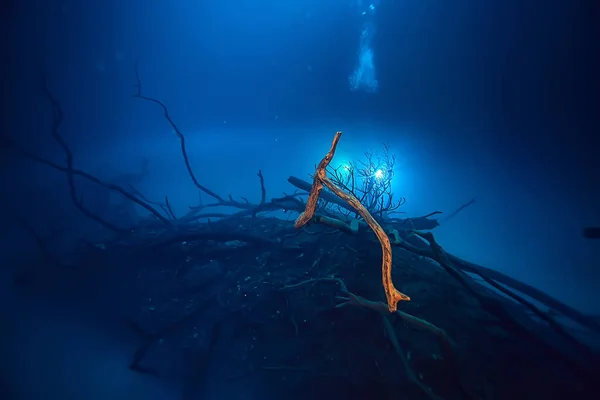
x=317 y=186
x=392 y=294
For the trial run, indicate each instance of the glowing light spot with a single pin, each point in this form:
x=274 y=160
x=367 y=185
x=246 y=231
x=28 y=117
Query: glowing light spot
x=379 y=174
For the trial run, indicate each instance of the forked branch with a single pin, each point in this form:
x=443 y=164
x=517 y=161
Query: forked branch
x=392 y=294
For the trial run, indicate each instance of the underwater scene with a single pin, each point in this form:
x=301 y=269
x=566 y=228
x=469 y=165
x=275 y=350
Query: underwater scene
x=285 y=199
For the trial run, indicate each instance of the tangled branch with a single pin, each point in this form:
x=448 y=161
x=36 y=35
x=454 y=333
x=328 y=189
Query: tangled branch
x=71 y=171
x=392 y=294
x=351 y=299
x=370 y=181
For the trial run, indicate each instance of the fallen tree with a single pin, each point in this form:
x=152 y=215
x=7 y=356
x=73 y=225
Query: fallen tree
x=243 y=275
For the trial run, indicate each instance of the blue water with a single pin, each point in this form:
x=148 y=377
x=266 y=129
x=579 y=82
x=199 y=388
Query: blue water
x=492 y=102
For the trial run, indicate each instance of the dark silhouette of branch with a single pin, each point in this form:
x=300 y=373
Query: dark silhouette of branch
x=459 y=209
x=57 y=118
x=138 y=94
x=42 y=243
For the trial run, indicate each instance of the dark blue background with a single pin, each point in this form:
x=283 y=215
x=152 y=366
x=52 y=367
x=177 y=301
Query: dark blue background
x=496 y=100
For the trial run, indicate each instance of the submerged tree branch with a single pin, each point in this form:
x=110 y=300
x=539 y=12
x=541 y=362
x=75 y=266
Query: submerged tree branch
x=392 y=294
